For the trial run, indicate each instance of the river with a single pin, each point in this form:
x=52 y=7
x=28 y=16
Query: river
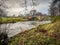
x=15 y=28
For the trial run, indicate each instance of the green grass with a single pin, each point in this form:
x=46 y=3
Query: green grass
x=47 y=34
x=55 y=18
x=10 y=20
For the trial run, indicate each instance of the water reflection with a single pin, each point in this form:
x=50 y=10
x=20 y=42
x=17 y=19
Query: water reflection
x=15 y=28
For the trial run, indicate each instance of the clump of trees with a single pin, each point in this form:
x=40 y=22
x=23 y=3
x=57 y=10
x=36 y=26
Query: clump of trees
x=55 y=8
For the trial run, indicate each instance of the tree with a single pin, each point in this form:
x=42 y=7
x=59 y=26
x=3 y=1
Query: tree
x=55 y=8
x=3 y=34
x=2 y=8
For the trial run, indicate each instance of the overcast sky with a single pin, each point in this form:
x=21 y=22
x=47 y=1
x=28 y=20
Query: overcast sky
x=17 y=6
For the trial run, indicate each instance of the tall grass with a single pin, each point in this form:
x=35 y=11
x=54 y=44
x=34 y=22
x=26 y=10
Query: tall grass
x=55 y=18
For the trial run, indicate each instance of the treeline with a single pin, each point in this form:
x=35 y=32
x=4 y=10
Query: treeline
x=55 y=8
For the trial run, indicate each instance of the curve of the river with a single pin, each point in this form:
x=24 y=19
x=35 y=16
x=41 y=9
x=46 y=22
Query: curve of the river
x=14 y=29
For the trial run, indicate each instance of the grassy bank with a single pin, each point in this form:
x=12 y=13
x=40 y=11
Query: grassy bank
x=10 y=20
x=20 y=19
x=47 y=34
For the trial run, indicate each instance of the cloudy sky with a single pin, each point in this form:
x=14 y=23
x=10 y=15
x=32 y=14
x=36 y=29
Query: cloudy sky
x=17 y=6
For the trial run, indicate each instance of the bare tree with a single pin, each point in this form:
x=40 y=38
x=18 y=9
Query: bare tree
x=34 y=4
x=2 y=8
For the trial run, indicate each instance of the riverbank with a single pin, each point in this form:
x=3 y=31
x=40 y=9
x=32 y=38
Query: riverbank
x=47 y=34
x=15 y=28
x=5 y=20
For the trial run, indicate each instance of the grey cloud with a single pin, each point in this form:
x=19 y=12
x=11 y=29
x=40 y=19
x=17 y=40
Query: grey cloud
x=16 y=5
x=20 y=3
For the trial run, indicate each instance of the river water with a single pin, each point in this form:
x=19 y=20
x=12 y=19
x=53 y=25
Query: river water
x=15 y=28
